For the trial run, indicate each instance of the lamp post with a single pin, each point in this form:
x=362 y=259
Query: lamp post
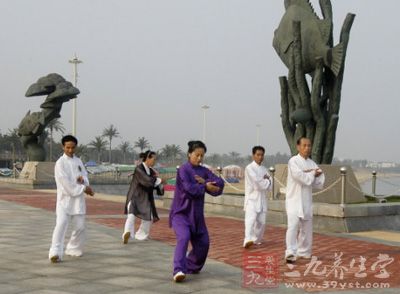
x=75 y=61
x=204 y=107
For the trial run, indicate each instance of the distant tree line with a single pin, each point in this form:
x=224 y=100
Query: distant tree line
x=101 y=149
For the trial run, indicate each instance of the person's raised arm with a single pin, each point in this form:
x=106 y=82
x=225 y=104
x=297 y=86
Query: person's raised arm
x=72 y=187
x=216 y=181
x=260 y=183
x=143 y=178
x=319 y=181
x=192 y=187
x=300 y=176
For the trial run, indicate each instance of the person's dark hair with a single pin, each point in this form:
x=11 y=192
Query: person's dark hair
x=256 y=148
x=193 y=145
x=301 y=138
x=69 y=138
x=148 y=154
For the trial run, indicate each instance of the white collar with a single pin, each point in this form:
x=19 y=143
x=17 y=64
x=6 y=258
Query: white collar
x=147 y=169
x=67 y=157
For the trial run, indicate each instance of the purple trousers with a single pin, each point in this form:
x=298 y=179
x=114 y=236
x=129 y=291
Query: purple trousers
x=200 y=241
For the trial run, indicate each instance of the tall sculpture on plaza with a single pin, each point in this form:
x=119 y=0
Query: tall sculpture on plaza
x=31 y=128
x=310 y=108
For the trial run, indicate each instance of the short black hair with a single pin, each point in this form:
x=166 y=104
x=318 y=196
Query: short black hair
x=256 y=148
x=147 y=154
x=193 y=145
x=301 y=138
x=69 y=138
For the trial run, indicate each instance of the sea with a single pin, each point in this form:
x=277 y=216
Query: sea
x=384 y=186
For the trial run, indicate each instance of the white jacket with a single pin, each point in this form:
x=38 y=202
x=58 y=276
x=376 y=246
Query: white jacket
x=299 y=186
x=70 y=194
x=256 y=186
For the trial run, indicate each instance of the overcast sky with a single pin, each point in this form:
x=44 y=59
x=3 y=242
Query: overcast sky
x=150 y=65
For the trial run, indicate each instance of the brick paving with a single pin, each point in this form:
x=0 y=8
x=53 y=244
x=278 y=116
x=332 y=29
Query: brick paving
x=226 y=237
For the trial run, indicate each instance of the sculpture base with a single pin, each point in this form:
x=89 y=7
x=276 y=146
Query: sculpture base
x=34 y=175
x=332 y=218
x=332 y=195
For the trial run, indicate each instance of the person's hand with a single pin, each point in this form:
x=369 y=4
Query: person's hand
x=199 y=179
x=211 y=187
x=80 y=180
x=89 y=191
x=163 y=181
x=318 y=172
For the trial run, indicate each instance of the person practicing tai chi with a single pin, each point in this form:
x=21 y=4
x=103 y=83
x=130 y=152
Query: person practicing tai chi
x=303 y=175
x=257 y=184
x=140 y=199
x=187 y=212
x=72 y=184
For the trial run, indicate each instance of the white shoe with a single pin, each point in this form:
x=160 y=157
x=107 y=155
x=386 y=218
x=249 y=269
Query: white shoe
x=73 y=253
x=290 y=258
x=140 y=238
x=303 y=256
x=125 y=237
x=179 y=277
x=248 y=244
x=55 y=259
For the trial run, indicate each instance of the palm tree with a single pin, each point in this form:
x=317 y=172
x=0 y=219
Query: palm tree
x=142 y=144
x=125 y=147
x=99 y=144
x=171 y=152
x=110 y=132
x=54 y=125
x=82 y=151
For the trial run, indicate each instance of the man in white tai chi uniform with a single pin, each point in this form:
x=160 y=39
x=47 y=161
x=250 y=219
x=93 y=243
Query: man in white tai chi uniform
x=257 y=183
x=303 y=175
x=72 y=184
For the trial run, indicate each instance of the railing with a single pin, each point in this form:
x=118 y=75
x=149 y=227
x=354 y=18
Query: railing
x=342 y=179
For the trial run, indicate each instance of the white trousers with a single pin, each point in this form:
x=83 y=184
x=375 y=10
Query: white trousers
x=299 y=236
x=254 y=224
x=143 y=231
x=78 y=235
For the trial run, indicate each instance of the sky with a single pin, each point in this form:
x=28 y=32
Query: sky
x=150 y=65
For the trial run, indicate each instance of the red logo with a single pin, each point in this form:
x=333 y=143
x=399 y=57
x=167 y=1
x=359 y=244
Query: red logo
x=260 y=270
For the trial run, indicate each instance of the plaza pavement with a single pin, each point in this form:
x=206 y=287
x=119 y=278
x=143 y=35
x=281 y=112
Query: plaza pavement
x=27 y=219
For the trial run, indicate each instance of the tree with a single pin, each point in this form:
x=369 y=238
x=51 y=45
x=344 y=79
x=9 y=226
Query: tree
x=171 y=152
x=83 y=152
x=110 y=133
x=99 y=144
x=142 y=144
x=57 y=126
x=234 y=156
x=125 y=147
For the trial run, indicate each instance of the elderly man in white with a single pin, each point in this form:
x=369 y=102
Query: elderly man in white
x=72 y=184
x=257 y=183
x=303 y=175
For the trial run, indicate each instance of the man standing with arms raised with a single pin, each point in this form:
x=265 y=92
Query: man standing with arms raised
x=303 y=175
x=257 y=183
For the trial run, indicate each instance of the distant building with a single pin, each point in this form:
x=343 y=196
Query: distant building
x=377 y=165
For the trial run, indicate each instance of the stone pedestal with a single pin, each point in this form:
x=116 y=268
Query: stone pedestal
x=332 y=195
x=36 y=174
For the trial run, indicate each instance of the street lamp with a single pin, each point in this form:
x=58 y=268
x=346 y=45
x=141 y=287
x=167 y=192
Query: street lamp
x=204 y=107
x=75 y=61
x=258 y=133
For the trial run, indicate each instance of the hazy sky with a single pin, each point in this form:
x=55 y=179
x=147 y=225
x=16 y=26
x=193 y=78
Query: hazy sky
x=150 y=65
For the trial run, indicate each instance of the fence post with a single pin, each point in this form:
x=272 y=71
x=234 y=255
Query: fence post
x=272 y=171
x=343 y=171
x=374 y=182
x=219 y=170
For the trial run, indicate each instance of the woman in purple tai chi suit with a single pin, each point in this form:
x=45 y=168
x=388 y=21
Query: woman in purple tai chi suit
x=187 y=211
